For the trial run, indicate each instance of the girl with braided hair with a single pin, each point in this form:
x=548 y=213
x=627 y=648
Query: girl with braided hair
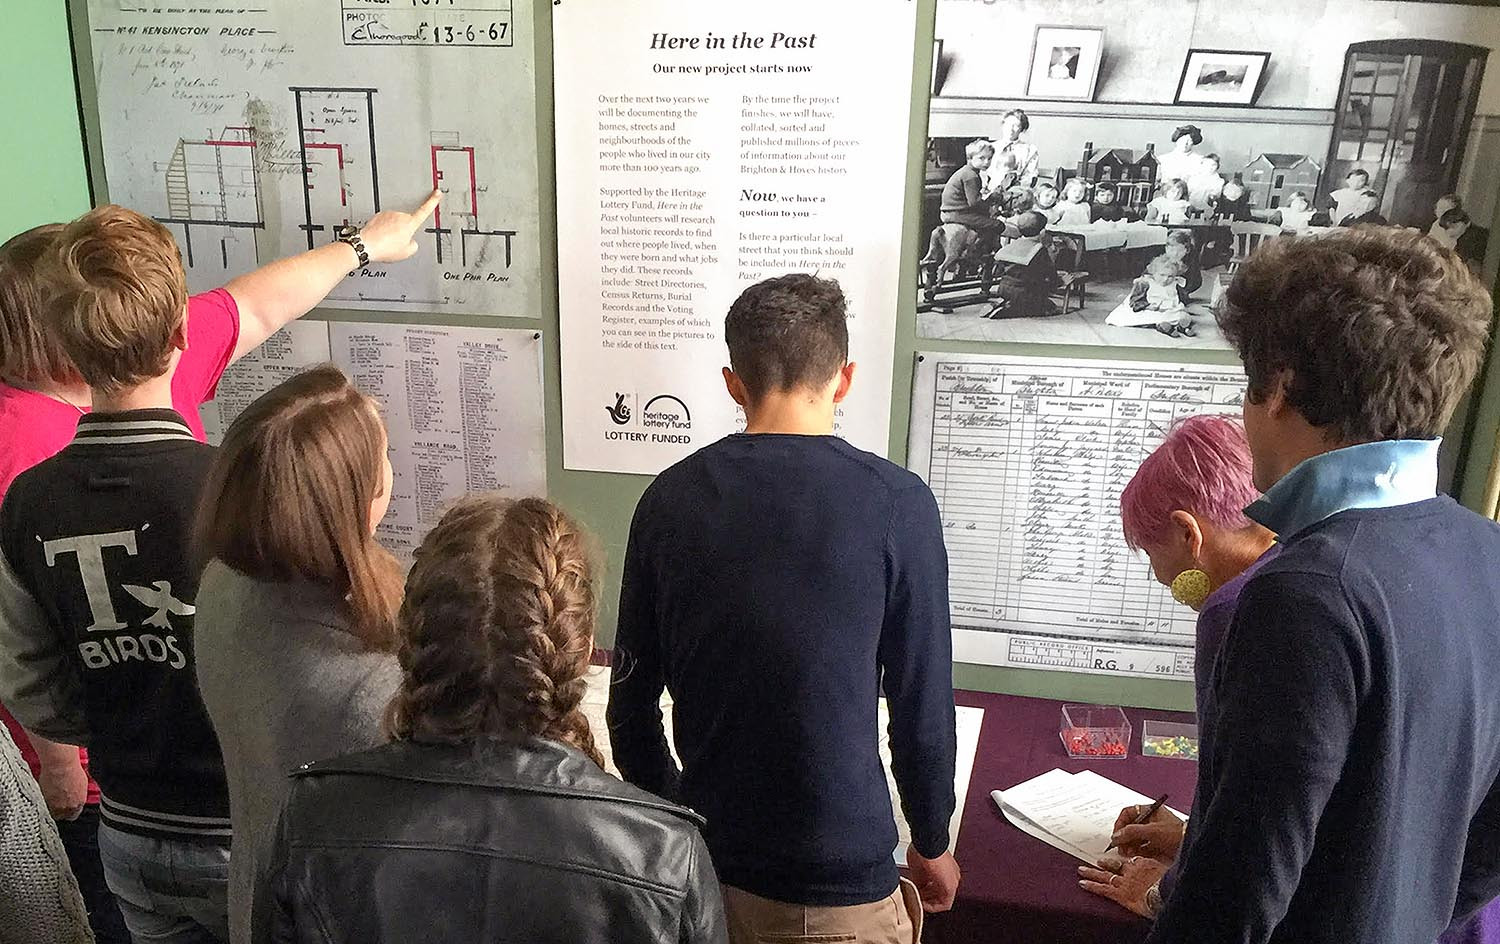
x=498 y=628
x=489 y=815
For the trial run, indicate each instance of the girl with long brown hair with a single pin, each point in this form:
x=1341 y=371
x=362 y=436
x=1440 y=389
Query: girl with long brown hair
x=295 y=629
x=490 y=804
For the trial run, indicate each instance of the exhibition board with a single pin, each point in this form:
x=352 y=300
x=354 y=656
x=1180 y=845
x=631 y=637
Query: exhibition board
x=605 y=501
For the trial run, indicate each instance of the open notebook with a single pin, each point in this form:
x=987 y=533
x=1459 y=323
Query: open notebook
x=1072 y=812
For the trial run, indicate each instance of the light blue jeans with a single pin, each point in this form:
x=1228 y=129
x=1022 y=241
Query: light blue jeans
x=170 y=892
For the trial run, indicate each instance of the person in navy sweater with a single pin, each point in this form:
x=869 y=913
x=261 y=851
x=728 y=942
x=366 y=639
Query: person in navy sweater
x=1347 y=787
x=775 y=582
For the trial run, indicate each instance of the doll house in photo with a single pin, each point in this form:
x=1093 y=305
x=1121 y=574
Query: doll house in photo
x=1273 y=177
x=1134 y=178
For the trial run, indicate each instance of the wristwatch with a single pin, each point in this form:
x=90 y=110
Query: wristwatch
x=349 y=233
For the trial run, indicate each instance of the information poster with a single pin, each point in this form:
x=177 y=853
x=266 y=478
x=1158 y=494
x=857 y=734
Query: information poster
x=1027 y=457
x=252 y=131
x=288 y=352
x=462 y=407
x=702 y=148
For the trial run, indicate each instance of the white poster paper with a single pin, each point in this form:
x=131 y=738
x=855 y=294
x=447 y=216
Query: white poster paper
x=1027 y=457
x=702 y=148
x=251 y=131
x=293 y=349
x=463 y=408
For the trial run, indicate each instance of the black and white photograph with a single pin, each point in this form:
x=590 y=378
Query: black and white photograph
x=1221 y=77
x=1119 y=215
x=1065 y=61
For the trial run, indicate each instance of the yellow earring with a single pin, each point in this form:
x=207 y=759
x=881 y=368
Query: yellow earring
x=1190 y=588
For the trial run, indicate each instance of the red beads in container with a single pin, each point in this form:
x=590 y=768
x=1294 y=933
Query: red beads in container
x=1095 y=731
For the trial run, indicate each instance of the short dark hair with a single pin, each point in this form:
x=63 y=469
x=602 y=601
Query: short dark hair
x=1381 y=329
x=1103 y=186
x=1453 y=217
x=1020 y=116
x=1030 y=223
x=1017 y=200
x=1188 y=131
x=787 y=332
x=1359 y=171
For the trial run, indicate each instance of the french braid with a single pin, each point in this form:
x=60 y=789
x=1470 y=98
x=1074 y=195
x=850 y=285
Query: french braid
x=497 y=627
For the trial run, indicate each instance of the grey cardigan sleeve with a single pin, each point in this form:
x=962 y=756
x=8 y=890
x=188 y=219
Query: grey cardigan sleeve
x=39 y=684
x=39 y=896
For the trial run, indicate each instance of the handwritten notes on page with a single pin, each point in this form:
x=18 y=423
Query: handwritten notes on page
x=1027 y=457
x=253 y=131
x=1072 y=812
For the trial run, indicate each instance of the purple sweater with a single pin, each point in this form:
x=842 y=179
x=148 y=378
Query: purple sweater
x=1213 y=625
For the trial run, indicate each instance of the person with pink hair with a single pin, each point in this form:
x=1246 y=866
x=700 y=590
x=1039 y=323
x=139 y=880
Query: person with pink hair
x=1185 y=508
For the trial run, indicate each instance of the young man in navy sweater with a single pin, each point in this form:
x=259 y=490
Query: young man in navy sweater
x=1347 y=789
x=775 y=582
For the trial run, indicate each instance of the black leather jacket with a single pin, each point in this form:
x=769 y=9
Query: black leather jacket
x=488 y=841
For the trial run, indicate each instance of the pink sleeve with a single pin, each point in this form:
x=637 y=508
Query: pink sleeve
x=213 y=328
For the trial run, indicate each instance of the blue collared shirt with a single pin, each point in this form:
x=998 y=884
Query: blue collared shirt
x=1371 y=475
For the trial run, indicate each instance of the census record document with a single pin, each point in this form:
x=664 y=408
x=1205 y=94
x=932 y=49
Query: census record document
x=1027 y=457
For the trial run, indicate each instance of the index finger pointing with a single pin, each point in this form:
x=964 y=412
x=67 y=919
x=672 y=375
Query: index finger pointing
x=428 y=205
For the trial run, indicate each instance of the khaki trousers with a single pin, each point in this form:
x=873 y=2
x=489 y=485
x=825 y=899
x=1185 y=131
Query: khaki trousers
x=895 y=919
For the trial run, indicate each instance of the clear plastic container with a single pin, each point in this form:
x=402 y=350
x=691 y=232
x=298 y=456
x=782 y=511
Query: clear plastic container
x=1169 y=739
x=1095 y=731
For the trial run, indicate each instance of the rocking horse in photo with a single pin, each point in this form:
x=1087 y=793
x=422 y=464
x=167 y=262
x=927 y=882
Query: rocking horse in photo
x=968 y=255
x=954 y=246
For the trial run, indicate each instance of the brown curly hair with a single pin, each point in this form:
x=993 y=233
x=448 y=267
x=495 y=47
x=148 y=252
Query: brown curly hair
x=497 y=627
x=1381 y=329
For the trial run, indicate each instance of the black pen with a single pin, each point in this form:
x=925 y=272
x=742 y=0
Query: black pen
x=1144 y=817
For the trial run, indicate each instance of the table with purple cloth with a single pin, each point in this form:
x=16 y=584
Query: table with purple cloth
x=1017 y=888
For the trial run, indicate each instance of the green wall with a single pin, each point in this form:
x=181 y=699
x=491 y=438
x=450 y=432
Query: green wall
x=42 y=176
x=605 y=501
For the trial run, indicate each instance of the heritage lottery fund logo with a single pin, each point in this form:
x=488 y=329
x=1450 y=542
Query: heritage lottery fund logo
x=662 y=419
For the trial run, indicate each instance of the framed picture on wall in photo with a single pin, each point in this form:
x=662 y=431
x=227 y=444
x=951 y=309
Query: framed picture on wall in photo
x=1065 y=62
x=1221 y=77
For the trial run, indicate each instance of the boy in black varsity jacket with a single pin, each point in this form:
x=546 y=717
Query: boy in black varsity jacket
x=97 y=583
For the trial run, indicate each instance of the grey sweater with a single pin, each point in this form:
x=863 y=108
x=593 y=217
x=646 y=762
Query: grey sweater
x=285 y=684
x=39 y=897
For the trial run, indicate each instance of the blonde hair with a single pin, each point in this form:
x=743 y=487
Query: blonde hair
x=497 y=628
x=289 y=495
x=978 y=146
x=117 y=296
x=1166 y=265
x=28 y=352
x=1077 y=185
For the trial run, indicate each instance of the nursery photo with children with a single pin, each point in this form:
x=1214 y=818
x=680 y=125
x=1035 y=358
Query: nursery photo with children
x=1118 y=214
